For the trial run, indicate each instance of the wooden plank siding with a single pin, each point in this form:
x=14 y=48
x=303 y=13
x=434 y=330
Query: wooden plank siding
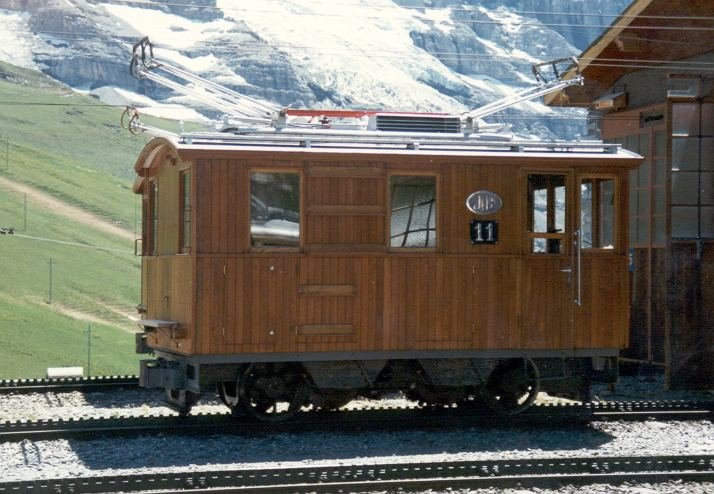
x=170 y=296
x=344 y=289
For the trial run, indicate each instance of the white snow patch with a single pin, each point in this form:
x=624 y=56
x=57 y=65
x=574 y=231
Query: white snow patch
x=195 y=64
x=441 y=19
x=360 y=53
x=510 y=22
x=171 y=30
x=116 y=96
x=16 y=39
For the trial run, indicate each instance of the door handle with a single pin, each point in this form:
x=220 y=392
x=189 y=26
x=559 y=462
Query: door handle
x=566 y=270
x=579 y=264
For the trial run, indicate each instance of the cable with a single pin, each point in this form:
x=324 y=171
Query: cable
x=73 y=105
x=73 y=244
x=500 y=115
x=405 y=7
x=301 y=49
x=530 y=22
x=441 y=56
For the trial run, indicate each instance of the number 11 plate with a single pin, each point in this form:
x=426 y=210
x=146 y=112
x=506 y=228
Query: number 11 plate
x=484 y=232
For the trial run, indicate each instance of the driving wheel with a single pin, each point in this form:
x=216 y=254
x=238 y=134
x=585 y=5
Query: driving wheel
x=512 y=386
x=271 y=392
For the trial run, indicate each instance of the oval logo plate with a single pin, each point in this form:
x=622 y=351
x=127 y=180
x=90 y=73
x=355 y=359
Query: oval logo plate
x=484 y=202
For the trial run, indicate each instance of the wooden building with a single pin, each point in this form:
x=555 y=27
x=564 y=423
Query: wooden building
x=649 y=85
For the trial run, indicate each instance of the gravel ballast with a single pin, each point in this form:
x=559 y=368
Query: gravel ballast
x=29 y=460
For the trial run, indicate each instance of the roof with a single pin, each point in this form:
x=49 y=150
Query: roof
x=649 y=33
x=370 y=145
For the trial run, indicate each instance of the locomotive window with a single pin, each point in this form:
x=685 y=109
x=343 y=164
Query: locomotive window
x=275 y=209
x=413 y=217
x=597 y=213
x=546 y=215
x=185 y=211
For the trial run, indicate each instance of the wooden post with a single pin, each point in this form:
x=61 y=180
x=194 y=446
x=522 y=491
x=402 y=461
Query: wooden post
x=49 y=300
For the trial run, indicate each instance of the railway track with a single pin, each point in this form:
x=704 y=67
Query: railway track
x=523 y=473
x=66 y=384
x=364 y=419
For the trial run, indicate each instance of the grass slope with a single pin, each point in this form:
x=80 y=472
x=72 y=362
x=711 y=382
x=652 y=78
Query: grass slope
x=79 y=154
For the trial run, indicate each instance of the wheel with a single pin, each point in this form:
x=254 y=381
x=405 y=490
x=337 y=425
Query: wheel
x=228 y=393
x=512 y=386
x=271 y=392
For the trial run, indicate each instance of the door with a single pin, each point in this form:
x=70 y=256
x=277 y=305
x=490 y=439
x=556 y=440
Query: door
x=547 y=272
x=600 y=264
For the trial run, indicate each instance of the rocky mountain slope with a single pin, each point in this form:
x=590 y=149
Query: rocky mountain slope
x=412 y=55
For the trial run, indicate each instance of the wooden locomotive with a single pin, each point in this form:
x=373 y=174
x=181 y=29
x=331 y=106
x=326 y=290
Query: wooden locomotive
x=293 y=267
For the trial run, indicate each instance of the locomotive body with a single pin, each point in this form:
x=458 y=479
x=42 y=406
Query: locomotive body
x=286 y=271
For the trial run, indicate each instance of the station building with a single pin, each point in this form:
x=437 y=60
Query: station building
x=649 y=85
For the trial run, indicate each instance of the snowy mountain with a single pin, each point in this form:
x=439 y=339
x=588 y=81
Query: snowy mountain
x=405 y=55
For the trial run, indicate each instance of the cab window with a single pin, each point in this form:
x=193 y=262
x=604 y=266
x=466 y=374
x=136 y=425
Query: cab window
x=546 y=213
x=413 y=211
x=275 y=209
x=597 y=213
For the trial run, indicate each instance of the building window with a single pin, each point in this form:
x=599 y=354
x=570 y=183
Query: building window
x=692 y=189
x=413 y=211
x=152 y=224
x=185 y=211
x=275 y=209
x=546 y=213
x=597 y=213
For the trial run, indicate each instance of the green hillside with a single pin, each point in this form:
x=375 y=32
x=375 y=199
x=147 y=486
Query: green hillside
x=70 y=147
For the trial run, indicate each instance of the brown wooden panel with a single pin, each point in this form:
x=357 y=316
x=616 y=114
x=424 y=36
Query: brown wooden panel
x=169 y=297
x=601 y=317
x=210 y=323
x=691 y=315
x=658 y=311
x=345 y=210
x=344 y=191
x=330 y=290
x=325 y=329
x=497 y=303
x=640 y=337
x=459 y=180
x=219 y=207
x=168 y=208
x=547 y=303
x=345 y=171
x=428 y=302
x=328 y=230
x=329 y=298
x=270 y=289
x=201 y=208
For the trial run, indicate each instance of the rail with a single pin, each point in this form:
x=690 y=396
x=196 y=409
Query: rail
x=67 y=384
x=370 y=477
x=376 y=418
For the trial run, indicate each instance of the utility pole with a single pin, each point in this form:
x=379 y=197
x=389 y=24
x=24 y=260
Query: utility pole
x=49 y=300
x=89 y=349
x=24 y=214
x=7 y=154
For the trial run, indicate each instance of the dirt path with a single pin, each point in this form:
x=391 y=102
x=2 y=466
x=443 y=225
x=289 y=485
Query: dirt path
x=44 y=200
